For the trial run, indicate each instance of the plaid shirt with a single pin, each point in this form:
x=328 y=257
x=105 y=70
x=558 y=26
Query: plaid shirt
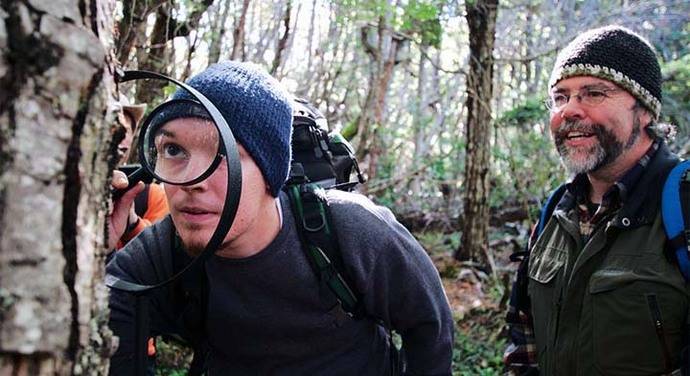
x=520 y=357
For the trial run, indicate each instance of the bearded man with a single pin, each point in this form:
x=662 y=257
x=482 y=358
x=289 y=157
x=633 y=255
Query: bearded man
x=598 y=294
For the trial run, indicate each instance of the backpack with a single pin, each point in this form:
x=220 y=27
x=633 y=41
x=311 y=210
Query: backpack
x=324 y=158
x=320 y=161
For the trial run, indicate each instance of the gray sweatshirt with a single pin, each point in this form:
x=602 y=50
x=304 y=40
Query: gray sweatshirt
x=268 y=315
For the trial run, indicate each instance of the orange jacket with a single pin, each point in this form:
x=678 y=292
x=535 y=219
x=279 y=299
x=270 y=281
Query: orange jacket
x=156 y=208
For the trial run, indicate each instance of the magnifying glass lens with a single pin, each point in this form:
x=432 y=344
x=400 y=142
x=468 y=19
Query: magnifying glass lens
x=181 y=150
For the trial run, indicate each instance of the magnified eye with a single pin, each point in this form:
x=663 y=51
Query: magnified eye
x=173 y=151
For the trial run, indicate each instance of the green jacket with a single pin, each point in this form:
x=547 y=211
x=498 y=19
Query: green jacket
x=618 y=304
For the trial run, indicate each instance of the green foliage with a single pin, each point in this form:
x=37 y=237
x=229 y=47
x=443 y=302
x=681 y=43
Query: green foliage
x=365 y=10
x=526 y=165
x=676 y=89
x=438 y=243
x=422 y=18
x=172 y=358
x=169 y=90
x=525 y=114
x=349 y=131
x=477 y=349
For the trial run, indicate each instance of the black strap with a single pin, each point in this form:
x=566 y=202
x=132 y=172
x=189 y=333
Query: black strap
x=141 y=202
x=320 y=244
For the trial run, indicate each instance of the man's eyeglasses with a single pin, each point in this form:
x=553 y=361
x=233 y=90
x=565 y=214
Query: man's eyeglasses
x=587 y=96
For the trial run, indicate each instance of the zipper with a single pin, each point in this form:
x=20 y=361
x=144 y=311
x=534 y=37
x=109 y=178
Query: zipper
x=659 y=326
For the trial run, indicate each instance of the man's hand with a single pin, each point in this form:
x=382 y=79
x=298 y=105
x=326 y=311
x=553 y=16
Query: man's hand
x=122 y=210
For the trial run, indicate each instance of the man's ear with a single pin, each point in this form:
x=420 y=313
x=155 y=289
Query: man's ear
x=645 y=117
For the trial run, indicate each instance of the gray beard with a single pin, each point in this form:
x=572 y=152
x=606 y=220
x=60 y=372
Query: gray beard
x=604 y=152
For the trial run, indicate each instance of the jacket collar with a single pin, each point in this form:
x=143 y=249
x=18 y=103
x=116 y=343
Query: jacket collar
x=644 y=199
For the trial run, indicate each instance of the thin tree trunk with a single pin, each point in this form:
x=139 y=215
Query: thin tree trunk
x=481 y=18
x=290 y=41
x=282 y=43
x=419 y=122
x=310 y=39
x=238 y=52
x=218 y=33
x=154 y=59
x=383 y=57
x=56 y=84
x=132 y=25
x=157 y=57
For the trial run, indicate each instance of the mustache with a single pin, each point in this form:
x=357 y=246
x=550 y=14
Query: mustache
x=577 y=126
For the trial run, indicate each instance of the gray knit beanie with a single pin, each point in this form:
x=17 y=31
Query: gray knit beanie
x=616 y=54
x=256 y=108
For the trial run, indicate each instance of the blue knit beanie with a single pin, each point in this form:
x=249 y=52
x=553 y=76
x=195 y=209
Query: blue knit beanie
x=256 y=108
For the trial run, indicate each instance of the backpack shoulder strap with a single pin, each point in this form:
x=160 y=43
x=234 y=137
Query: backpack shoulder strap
x=675 y=213
x=320 y=244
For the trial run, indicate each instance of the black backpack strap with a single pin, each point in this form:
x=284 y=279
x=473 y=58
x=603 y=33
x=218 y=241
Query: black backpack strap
x=141 y=201
x=320 y=244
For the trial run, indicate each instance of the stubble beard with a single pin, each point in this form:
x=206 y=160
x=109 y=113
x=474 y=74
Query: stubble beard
x=194 y=238
x=608 y=148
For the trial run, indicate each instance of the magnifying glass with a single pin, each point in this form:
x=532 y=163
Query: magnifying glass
x=184 y=153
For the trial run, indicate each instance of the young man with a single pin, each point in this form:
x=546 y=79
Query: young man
x=265 y=311
x=598 y=295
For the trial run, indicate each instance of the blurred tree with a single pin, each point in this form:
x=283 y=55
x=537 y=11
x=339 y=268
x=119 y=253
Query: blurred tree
x=481 y=18
x=238 y=52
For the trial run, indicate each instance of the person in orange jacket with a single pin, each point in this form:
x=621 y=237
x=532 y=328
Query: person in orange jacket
x=150 y=205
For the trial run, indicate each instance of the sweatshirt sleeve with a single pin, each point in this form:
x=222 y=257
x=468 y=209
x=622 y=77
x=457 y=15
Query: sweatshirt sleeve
x=399 y=284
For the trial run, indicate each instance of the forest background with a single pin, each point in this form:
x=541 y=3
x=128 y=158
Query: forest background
x=442 y=100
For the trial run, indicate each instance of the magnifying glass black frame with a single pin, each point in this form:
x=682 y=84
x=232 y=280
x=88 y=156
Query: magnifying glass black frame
x=234 y=183
x=230 y=205
x=144 y=140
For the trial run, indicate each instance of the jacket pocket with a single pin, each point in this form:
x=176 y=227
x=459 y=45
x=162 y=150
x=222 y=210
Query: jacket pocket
x=635 y=320
x=544 y=263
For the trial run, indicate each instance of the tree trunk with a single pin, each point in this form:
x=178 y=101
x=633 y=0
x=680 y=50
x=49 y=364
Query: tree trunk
x=238 y=52
x=132 y=25
x=54 y=175
x=481 y=18
x=154 y=59
x=218 y=32
x=282 y=43
x=157 y=57
x=383 y=56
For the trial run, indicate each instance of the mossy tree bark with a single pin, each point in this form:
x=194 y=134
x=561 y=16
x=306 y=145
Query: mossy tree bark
x=56 y=157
